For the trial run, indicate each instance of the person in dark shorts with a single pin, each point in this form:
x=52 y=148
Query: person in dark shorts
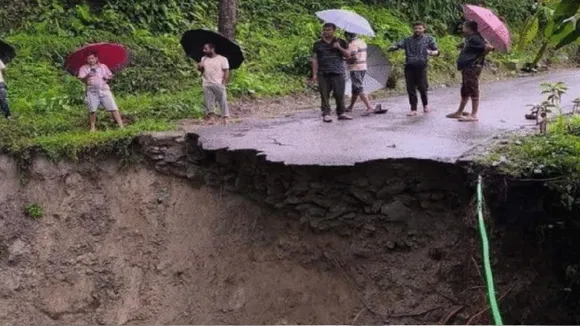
x=417 y=48
x=328 y=55
x=470 y=62
x=357 y=67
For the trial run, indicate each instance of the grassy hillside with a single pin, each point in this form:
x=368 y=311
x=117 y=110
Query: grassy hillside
x=161 y=86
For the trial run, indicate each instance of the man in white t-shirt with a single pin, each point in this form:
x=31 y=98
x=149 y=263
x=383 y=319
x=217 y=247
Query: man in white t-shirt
x=3 y=93
x=215 y=71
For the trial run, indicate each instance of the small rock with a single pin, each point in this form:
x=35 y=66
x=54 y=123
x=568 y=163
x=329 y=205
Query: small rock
x=391 y=245
x=293 y=200
x=17 y=249
x=348 y=216
x=316 y=212
x=362 y=252
x=362 y=195
x=303 y=207
x=396 y=211
x=9 y=282
x=376 y=207
x=273 y=200
x=322 y=202
x=391 y=190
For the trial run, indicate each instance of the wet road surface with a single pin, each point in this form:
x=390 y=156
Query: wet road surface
x=303 y=139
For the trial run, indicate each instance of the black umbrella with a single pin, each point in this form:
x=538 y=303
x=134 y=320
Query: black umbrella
x=194 y=40
x=378 y=71
x=7 y=52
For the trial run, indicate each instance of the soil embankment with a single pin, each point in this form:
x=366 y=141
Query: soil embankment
x=227 y=237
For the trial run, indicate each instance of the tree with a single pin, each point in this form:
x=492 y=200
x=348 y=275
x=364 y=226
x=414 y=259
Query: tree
x=227 y=18
x=561 y=26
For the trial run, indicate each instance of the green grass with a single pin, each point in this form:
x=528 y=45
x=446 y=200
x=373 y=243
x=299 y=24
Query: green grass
x=544 y=156
x=162 y=86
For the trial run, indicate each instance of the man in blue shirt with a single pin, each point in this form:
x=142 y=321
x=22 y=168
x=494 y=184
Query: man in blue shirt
x=417 y=48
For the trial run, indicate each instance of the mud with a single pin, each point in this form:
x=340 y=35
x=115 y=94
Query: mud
x=128 y=245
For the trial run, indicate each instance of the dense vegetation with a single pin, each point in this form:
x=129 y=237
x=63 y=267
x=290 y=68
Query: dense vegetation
x=550 y=158
x=161 y=87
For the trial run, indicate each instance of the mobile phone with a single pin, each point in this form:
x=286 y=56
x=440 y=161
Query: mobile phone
x=93 y=70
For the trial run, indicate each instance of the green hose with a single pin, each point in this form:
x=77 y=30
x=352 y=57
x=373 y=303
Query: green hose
x=486 y=263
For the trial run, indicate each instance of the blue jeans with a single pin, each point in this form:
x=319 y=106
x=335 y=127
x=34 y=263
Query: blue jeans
x=4 y=100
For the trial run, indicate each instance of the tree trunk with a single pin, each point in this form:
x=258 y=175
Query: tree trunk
x=227 y=18
x=540 y=54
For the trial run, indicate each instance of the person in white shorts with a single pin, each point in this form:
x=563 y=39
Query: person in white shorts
x=215 y=71
x=96 y=75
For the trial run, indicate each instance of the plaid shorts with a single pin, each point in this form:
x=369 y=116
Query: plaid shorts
x=470 y=82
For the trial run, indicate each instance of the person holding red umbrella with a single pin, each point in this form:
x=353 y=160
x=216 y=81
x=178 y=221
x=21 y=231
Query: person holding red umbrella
x=94 y=65
x=470 y=62
x=96 y=75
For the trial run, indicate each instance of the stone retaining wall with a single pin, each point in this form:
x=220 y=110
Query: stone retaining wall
x=322 y=197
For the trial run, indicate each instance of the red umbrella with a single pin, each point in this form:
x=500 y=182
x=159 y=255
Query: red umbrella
x=115 y=56
x=490 y=26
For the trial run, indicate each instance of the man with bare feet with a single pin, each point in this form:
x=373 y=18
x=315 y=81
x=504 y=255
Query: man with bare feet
x=357 y=67
x=417 y=48
x=328 y=56
x=470 y=63
x=96 y=76
x=215 y=70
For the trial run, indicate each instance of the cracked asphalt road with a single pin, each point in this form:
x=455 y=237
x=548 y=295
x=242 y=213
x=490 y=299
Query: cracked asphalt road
x=303 y=139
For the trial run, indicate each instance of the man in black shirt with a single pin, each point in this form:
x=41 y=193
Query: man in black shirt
x=417 y=48
x=328 y=69
x=470 y=62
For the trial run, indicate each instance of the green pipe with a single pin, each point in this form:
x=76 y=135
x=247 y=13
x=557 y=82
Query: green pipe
x=486 y=263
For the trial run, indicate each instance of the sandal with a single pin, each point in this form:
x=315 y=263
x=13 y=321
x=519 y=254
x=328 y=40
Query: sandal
x=531 y=116
x=379 y=109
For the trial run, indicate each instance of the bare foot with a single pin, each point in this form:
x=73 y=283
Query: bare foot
x=226 y=121
x=367 y=113
x=344 y=117
x=426 y=109
x=327 y=119
x=412 y=114
x=92 y=129
x=468 y=118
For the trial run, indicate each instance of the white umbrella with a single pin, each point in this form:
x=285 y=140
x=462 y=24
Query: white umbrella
x=347 y=20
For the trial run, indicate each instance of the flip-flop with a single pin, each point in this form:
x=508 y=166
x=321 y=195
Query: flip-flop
x=366 y=113
x=381 y=111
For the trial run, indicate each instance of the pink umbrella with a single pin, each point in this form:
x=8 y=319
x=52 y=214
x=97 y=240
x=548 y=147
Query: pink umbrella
x=490 y=26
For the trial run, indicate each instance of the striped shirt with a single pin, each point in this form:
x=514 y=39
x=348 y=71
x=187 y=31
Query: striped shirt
x=358 y=51
x=416 y=49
